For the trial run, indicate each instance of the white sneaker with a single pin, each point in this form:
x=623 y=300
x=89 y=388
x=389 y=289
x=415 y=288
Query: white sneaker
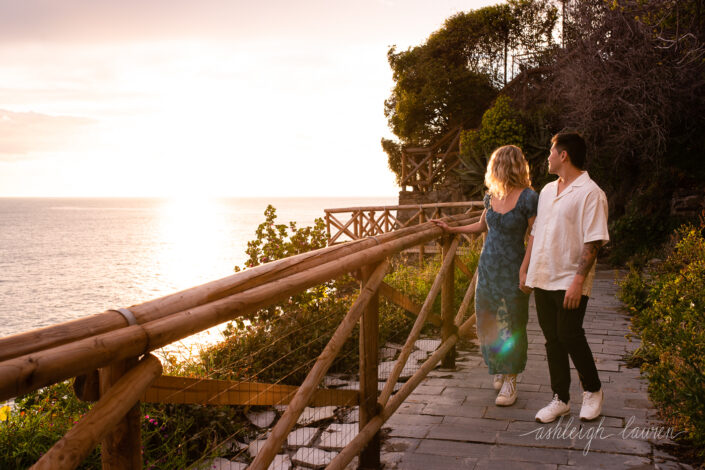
x=508 y=395
x=498 y=381
x=592 y=405
x=553 y=410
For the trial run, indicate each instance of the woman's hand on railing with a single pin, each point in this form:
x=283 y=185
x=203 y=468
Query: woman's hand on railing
x=441 y=224
x=478 y=227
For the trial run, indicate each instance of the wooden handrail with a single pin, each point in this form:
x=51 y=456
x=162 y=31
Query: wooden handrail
x=451 y=134
x=186 y=390
x=374 y=422
x=365 y=222
x=418 y=324
x=477 y=204
x=422 y=167
x=49 y=337
x=417 y=165
x=38 y=369
x=65 y=351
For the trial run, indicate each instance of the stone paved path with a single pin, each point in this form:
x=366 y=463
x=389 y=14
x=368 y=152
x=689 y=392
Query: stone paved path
x=451 y=421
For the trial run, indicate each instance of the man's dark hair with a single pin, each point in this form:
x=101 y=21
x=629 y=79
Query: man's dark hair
x=574 y=145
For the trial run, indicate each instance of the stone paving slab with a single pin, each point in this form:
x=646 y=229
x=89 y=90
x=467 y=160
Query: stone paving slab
x=429 y=461
x=451 y=421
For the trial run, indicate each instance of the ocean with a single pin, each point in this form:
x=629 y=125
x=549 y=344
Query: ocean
x=61 y=259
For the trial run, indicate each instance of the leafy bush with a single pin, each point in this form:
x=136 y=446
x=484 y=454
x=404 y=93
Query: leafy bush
x=416 y=281
x=277 y=343
x=645 y=224
x=173 y=436
x=667 y=309
x=280 y=347
x=36 y=422
x=633 y=290
x=275 y=242
x=280 y=343
x=177 y=436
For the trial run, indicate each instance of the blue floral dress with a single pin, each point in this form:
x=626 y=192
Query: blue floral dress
x=502 y=309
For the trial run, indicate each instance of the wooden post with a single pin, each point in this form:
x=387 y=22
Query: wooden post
x=421 y=221
x=77 y=443
x=349 y=451
x=369 y=332
x=358 y=224
x=429 y=179
x=463 y=267
x=328 y=227
x=465 y=304
x=418 y=325
x=447 y=307
x=121 y=448
x=308 y=388
x=403 y=170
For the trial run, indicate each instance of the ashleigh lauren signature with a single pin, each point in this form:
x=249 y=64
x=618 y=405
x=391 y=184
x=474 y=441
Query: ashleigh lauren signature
x=568 y=430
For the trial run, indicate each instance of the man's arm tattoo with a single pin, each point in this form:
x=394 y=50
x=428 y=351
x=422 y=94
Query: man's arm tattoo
x=587 y=257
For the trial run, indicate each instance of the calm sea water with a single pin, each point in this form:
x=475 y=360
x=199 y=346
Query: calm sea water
x=65 y=258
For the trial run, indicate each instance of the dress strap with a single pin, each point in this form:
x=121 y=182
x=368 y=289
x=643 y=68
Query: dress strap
x=486 y=201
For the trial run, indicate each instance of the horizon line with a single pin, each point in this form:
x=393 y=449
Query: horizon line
x=200 y=197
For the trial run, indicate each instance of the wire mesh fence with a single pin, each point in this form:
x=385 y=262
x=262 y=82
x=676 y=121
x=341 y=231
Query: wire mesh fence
x=222 y=405
x=279 y=351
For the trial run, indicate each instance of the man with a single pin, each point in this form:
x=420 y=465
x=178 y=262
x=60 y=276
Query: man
x=570 y=228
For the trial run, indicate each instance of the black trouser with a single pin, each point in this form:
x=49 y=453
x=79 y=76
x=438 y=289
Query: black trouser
x=563 y=330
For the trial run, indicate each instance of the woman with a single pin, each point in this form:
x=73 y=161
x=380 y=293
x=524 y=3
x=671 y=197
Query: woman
x=501 y=308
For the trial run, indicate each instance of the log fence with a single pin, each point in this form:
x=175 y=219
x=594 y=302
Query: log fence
x=424 y=168
x=354 y=223
x=109 y=354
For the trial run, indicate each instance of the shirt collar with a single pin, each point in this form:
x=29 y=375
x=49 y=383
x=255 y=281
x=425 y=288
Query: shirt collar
x=579 y=181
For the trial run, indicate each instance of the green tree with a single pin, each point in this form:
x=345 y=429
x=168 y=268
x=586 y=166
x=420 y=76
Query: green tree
x=632 y=78
x=501 y=125
x=393 y=151
x=453 y=77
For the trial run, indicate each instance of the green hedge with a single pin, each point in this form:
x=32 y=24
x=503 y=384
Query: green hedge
x=668 y=307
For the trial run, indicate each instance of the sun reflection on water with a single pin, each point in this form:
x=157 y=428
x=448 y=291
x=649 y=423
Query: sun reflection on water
x=192 y=233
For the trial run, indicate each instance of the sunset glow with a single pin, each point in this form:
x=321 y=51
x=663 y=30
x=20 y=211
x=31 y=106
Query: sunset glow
x=211 y=99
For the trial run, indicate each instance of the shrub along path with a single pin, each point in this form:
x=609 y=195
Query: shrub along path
x=451 y=420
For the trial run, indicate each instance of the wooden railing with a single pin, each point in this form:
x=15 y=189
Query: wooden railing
x=109 y=353
x=423 y=168
x=354 y=223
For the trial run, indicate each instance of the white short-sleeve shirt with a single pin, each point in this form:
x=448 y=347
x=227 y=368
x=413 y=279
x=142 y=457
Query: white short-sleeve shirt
x=564 y=223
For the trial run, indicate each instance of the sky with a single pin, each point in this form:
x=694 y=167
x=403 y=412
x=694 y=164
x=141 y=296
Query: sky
x=215 y=98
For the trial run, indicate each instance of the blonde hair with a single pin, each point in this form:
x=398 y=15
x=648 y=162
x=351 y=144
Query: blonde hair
x=507 y=169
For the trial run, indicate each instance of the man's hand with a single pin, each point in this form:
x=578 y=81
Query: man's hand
x=522 y=282
x=575 y=291
x=571 y=301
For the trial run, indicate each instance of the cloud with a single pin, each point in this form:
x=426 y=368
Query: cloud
x=26 y=133
x=362 y=21
x=107 y=20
